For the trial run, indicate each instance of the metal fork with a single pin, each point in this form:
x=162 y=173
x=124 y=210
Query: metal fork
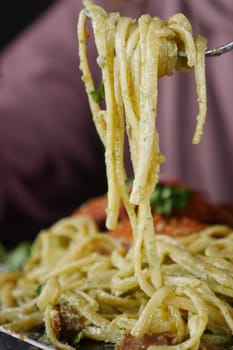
x=215 y=52
x=219 y=50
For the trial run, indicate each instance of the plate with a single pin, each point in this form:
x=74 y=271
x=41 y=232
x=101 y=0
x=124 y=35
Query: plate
x=14 y=341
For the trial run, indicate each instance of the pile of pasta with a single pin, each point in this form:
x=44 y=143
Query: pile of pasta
x=83 y=283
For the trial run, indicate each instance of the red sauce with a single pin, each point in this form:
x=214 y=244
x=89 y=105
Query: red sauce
x=142 y=343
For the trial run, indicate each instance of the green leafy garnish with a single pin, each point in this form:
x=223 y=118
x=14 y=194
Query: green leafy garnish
x=38 y=289
x=14 y=260
x=99 y=94
x=215 y=339
x=166 y=198
x=78 y=337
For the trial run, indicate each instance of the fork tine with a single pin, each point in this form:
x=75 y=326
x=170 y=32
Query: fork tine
x=214 y=52
x=219 y=50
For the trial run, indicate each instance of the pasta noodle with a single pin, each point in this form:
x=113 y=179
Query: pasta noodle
x=89 y=288
x=80 y=282
x=132 y=55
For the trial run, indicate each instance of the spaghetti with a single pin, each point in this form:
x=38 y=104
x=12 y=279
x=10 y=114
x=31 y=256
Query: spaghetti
x=80 y=282
x=132 y=55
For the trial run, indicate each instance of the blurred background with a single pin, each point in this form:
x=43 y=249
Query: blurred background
x=15 y=16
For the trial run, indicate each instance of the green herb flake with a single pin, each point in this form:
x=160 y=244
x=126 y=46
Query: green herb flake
x=77 y=338
x=166 y=198
x=15 y=259
x=38 y=289
x=99 y=94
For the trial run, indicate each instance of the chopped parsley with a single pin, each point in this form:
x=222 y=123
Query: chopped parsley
x=38 y=289
x=166 y=198
x=78 y=337
x=99 y=94
x=15 y=259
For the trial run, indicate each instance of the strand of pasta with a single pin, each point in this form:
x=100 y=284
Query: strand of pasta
x=119 y=149
x=199 y=70
x=148 y=106
x=87 y=77
x=197 y=323
x=124 y=81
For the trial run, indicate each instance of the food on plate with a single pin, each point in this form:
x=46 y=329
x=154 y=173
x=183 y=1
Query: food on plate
x=177 y=211
x=158 y=291
x=79 y=282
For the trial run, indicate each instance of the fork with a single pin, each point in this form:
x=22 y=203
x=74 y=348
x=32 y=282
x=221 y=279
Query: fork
x=219 y=50
x=214 y=52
